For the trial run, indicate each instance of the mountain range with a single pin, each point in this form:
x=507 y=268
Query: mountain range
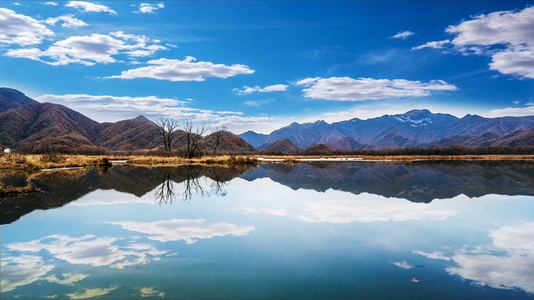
x=35 y=127
x=416 y=128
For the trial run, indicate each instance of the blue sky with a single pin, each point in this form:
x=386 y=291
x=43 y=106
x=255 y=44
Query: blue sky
x=260 y=65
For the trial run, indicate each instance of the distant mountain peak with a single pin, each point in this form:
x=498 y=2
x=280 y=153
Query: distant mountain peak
x=141 y=118
x=11 y=98
x=418 y=112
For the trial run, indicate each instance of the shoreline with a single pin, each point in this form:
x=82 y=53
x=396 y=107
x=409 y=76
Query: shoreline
x=35 y=162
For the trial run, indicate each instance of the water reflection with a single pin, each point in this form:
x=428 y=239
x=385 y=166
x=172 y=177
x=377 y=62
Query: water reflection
x=194 y=183
x=275 y=235
x=417 y=182
x=506 y=263
x=62 y=187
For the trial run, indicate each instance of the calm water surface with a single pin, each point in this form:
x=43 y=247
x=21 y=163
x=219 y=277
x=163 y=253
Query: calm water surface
x=323 y=231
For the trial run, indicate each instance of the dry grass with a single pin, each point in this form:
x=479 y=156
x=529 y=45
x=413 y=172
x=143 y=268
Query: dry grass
x=37 y=162
x=8 y=190
x=177 y=161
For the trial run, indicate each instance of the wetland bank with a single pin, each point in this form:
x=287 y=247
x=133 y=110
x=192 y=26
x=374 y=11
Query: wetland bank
x=312 y=230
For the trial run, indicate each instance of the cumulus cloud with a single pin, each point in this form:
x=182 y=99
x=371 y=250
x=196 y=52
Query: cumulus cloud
x=89 y=250
x=20 y=29
x=515 y=61
x=433 y=255
x=91 y=293
x=150 y=292
x=433 y=45
x=370 y=208
x=184 y=70
x=68 y=278
x=349 y=89
x=506 y=36
x=256 y=89
x=89 y=50
x=67 y=21
x=90 y=7
x=403 y=35
x=506 y=263
x=147 y=8
x=22 y=270
x=183 y=229
x=102 y=106
x=513 y=111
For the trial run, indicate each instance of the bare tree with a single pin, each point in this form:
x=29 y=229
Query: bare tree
x=129 y=148
x=166 y=128
x=193 y=139
x=218 y=134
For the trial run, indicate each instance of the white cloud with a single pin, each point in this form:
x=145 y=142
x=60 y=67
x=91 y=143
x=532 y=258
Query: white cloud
x=90 y=7
x=67 y=21
x=271 y=88
x=150 y=292
x=22 y=270
x=403 y=265
x=370 y=208
x=268 y=211
x=91 y=293
x=349 y=89
x=501 y=27
x=433 y=45
x=513 y=111
x=149 y=8
x=21 y=29
x=433 y=255
x=511 y=270
x=68 y=278
x=184 y=70
x=403 y=35
x=121 y=102
x=89 y=50
x=506 y=36
x=50 y=3
x=506 y=263
x=105 y=108
x=183 y=229
x=89 y=250
x=515 y=61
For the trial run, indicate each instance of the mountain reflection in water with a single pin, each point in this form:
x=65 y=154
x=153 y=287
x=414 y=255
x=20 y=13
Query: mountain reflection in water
x=62 y=187
x=308 y=231
x=416 y=182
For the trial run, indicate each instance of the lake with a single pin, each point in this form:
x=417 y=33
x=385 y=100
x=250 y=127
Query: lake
x=352 y=230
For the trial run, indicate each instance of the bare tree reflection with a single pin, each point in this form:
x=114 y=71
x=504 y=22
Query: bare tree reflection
x=194 y=182
x=218 y=186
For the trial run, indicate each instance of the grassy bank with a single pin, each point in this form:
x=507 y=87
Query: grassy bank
x=207 y=160
x=6 y=191
x=407 y=158
x=37 y=162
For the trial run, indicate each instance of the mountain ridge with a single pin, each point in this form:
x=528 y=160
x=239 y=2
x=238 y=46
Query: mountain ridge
x=415 y=128
x=35 y=127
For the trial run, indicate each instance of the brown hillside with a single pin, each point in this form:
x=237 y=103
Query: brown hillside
x=283 y=146
x=229 y=143
x=140 y=132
